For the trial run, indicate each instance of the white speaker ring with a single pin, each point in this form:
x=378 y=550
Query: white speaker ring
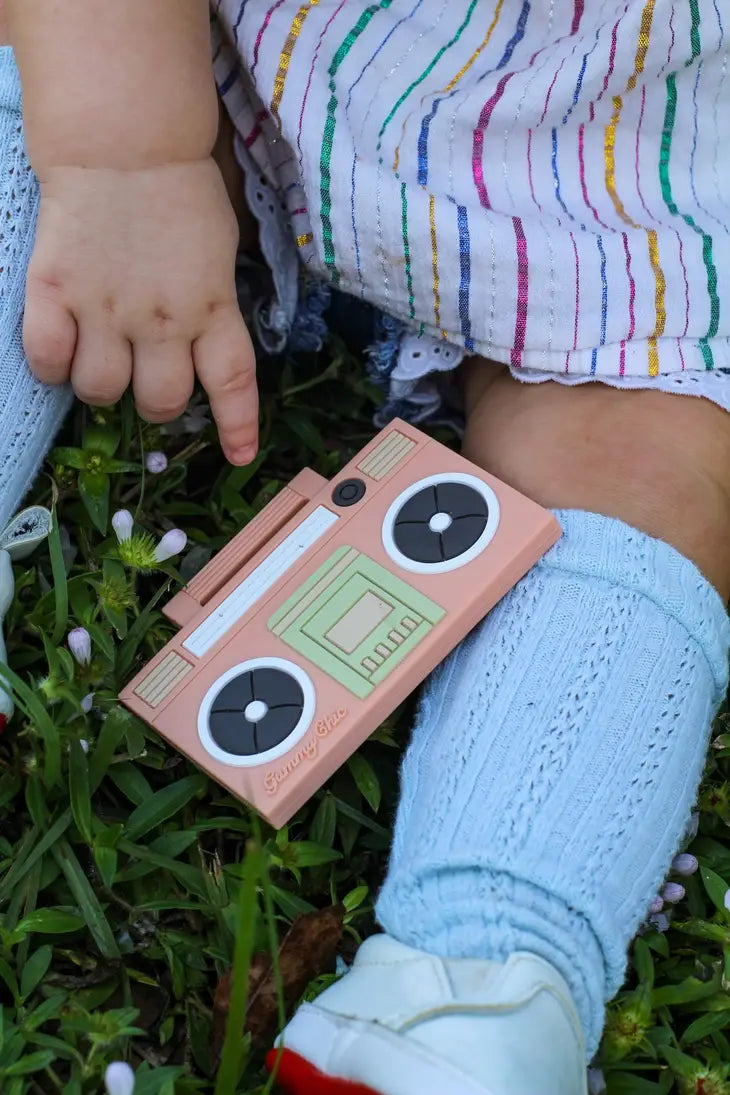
x=297 y=706
x=427 y=536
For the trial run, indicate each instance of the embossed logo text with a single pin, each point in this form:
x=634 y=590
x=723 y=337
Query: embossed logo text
x=306 y=751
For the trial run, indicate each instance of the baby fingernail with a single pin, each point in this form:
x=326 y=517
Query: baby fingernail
x=244 y=455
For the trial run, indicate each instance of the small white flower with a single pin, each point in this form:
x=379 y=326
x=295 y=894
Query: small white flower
x=673 y=892
x=119 y=1079
x=84 y=744
x=596 y=1082
x=155 y=462
x=195 y=418
x=685 y=864
x=87 y=703
x=172 y=543
x=123 y=523
x=79 y=643
x=726 y=900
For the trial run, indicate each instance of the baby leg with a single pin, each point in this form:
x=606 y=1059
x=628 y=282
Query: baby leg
x=655 y=461
x=554 y=762
x=558 y=751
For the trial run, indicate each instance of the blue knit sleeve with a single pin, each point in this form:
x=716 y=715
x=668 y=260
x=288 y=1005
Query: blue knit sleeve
x=30 y=413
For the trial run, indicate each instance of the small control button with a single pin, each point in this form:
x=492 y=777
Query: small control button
x=383 y=650
x=409 y=623
x=369 y=665
x=348 y=492
x=396 y=637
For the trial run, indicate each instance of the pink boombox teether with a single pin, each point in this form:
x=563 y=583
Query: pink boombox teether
x=326 y=610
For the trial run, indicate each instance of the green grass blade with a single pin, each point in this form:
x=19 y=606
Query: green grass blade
x=128 y=648
x=22 y=866
x=110 y=735
x=60 y=586
x=87 y=900
x=42 y=722
x=270 y=916
x=357 y=815
x=232 y=1056
x=191 y=877
x=163 y=805
x=79 y=791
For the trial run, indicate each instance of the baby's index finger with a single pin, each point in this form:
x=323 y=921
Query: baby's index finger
x=226 y=365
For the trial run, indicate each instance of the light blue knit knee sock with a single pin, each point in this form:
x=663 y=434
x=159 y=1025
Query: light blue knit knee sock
x=30 y=413
x=555 y=760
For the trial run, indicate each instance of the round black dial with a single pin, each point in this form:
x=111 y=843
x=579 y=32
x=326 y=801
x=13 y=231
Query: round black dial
x=256 y=711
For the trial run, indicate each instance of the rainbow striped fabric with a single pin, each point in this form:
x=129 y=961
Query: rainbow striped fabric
x=544 y=182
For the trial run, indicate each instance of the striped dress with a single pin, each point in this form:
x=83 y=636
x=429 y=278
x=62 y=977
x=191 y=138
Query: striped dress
x=543 y=182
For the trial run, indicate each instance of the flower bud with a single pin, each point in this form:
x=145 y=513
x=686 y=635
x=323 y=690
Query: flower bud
x=123 y=523
x=657 y=905
x=659 y=922
x=79 y=643
x=692 y=827
x=726 y=900
x=172 y=543
x=596 y=1082
x=119 y=1079
x=673 y=892
x=685 y=864
x=155 y=462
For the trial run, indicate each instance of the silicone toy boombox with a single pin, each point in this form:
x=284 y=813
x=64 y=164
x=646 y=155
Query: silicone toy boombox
x=326 y=611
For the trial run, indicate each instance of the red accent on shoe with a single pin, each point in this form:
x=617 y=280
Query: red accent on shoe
x=297 y=1076
x=3 y=722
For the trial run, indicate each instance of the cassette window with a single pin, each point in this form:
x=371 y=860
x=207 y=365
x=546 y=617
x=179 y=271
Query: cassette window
x=355 y=620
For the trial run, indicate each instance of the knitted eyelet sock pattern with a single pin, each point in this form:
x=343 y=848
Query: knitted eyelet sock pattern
x=30 y=413
x=555 y=760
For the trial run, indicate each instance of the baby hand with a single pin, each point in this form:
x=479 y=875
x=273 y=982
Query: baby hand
x=132 y=280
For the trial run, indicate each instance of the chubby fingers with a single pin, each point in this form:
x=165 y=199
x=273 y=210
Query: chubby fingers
x=49 y=333
x=226 y=365
x=102 y=364
x=163 y=378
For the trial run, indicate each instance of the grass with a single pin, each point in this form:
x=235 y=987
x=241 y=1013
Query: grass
x=129 y=882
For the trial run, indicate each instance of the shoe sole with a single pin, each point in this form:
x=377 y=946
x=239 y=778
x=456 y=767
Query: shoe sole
x=297 y=1076
x=316 y=1041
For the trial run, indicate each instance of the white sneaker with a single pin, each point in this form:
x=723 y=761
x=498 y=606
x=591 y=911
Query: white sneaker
x=404 y=1023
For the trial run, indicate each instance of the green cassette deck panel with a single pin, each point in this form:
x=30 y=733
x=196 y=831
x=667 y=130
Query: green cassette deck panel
x=355 y=620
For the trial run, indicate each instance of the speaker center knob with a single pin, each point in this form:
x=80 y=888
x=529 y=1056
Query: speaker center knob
x=256 y=710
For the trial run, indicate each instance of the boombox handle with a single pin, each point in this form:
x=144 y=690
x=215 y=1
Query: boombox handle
x=293 y=497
